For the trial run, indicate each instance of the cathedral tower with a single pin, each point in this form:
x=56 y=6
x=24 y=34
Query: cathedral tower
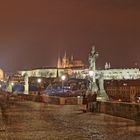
x=59 y=64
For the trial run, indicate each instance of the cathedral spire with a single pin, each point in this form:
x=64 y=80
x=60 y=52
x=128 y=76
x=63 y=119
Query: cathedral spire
x=109 y=65
x=71 y=59
x=59 y=62
x=106 y=65
x=65 y=61
x=65 y=55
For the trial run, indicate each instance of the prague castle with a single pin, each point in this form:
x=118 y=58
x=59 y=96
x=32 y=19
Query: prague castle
x=65 y=65
x=66 y=62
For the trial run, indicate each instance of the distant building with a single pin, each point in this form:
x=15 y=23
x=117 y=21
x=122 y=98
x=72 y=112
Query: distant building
x=107 y=65
x=1 y=74
x=16 y=78
x=54 y=72
x=119 y=74
x=66 y=62
x=82 y=73
x=123 y=90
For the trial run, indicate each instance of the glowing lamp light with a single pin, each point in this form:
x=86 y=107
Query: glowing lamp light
x=39 y=80
x=63 y=77
x=12 y=84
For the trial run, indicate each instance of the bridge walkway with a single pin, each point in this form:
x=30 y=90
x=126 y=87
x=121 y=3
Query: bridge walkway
x=27 y=120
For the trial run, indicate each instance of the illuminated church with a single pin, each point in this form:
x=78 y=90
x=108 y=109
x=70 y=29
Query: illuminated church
x=67 y=62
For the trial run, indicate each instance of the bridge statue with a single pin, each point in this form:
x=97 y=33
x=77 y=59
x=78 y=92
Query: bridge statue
x=92 y=59
x=93 y=74
x=26 y=85
x=92 y=70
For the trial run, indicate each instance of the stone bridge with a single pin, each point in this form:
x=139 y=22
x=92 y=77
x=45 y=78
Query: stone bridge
x=33 y=117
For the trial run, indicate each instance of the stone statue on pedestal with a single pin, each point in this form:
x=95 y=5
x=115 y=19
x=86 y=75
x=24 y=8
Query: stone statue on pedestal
x=92 y=67
x=92 y=59
x=101 y=94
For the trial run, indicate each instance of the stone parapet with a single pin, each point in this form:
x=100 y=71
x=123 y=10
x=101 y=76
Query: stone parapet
x=120 y=109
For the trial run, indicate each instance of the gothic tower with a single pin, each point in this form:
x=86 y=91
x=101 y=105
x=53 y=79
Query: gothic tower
x=65 y=61
x=59 y=64
x=71 y=59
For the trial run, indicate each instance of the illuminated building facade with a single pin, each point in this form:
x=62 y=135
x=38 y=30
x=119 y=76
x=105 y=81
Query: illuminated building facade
x=119 y=74
x=66 y=62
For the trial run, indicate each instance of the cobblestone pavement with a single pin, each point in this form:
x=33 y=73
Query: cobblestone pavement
x=38 y=121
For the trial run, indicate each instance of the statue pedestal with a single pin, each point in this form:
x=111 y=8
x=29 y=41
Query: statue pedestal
x=94 y=87
x=26 y=93
x=102 y=96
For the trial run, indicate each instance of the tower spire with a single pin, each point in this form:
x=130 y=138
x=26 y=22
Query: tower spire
x=106 y=65
x=65 y=55
x=71 y=59
x=59 y=62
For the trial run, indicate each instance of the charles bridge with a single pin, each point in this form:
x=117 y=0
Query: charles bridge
x=53 y=118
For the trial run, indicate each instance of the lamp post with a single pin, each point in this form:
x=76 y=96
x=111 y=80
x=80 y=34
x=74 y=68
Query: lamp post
x=12 y=85
x=39 y=80
x=63 y=78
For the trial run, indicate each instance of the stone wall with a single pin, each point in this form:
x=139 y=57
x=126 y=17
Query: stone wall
x=120 y=109
x=60 y=100
x=48 y=99
x=71 y=100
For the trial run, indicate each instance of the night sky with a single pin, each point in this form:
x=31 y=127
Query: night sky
x=34 y=32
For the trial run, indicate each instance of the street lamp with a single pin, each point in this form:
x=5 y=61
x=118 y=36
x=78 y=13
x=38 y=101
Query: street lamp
x=12 y=85
x=39 y=80
x=63 y=78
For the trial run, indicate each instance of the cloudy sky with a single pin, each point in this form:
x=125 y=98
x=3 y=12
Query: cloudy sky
x=34 y=32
